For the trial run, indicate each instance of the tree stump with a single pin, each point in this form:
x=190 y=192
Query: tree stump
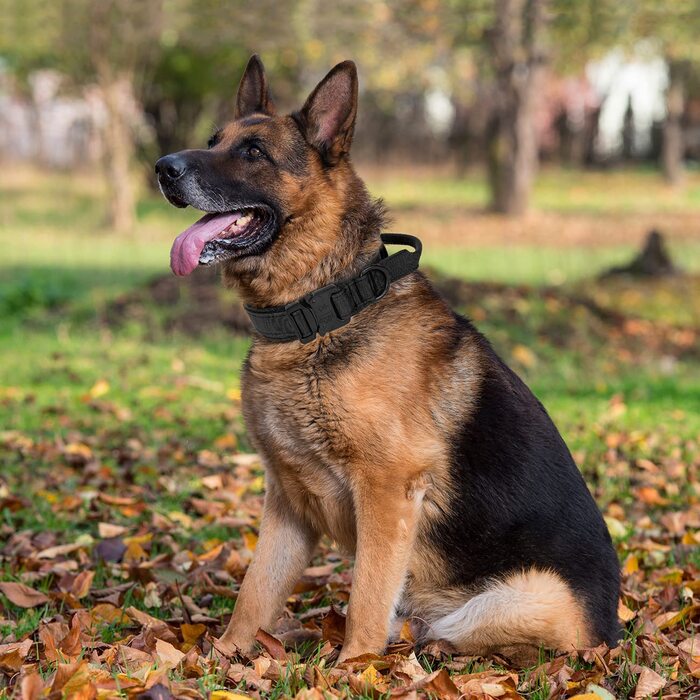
x=652 y=261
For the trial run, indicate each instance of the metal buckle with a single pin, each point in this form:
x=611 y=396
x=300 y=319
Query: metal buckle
x=387 y=279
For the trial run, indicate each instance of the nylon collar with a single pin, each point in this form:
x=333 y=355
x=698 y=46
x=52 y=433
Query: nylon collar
x=332 y=306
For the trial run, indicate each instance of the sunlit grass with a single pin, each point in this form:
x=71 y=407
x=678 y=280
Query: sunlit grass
x=556 y=190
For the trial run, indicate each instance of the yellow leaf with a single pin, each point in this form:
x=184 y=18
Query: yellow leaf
x=370 y=675
x=250 y=539
x=257 y=484
x=138 y=539
x=691 y=538
x=670 y=619
x=191 y=633
x=135 y=554
x=616 y=528
x=212 y=553
x=226 y=442
x=631 y=565
x=227 y=695
x=99 y=388
x=406 y=634
x=233 y=394
x=182 y=518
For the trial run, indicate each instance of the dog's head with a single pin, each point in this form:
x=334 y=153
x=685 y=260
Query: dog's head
x=276 y=189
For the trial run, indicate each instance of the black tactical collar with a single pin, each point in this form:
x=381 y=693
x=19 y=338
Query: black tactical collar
x=332 y=306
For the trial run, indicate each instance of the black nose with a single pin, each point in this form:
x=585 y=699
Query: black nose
x=171 y=167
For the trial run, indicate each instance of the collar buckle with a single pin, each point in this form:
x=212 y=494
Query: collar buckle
x=319 y=312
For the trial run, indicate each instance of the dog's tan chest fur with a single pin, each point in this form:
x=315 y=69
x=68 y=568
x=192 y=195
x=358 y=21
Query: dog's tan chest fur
x=327 y=423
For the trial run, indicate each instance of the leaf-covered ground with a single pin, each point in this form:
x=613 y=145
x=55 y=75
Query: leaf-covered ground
x=127 y=528
x=129 y=497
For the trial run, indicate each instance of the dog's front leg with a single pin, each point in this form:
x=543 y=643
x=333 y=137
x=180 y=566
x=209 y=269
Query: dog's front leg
x=387 y=516
x=284 y=549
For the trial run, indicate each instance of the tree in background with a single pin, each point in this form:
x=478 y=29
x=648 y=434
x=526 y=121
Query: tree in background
x=516 y=44
x=673 y=28
x=111 y=44
x=180 y=60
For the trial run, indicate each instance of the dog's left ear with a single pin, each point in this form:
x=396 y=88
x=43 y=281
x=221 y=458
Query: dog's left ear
x=253 y=94
x=328 y=117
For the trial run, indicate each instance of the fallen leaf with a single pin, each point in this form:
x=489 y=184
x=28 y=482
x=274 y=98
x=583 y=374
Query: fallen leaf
x=370 y=675
x=649 y=683
x=227 y=695
x=12 y=655
x=271 y=644
x=333 y=627
x=625 y=613
x=32 y=686
x=108 y=530
x=21 y=595
x=168 y=655
x=191 y=634
x=82 y=584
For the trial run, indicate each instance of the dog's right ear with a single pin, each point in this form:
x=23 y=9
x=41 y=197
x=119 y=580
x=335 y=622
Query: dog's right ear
x=253 y=94
x=328 y=117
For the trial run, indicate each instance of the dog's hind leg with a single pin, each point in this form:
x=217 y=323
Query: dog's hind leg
x=528 y=609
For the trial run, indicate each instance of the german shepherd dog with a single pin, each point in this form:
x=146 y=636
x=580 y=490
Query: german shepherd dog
x=401 y=435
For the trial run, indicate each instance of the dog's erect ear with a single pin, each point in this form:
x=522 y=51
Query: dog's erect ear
x=328 y=117
x=253 y=95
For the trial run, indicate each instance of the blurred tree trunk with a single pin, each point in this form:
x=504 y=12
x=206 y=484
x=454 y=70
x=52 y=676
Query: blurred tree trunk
x=628 y=132
x=672 y=143
x=119 y=149
x=517 y=59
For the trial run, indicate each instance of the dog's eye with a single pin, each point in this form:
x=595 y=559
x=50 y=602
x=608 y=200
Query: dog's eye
x=254 y=152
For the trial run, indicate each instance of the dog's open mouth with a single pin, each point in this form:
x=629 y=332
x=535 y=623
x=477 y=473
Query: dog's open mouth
x=217 y=237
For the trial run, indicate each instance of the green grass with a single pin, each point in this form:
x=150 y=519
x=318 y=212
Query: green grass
x=560 y=190
x=60 y=267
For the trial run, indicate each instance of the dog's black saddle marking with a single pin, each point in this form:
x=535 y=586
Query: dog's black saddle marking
x=332 y=306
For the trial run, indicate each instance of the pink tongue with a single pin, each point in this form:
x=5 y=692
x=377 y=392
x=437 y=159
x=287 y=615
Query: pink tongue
x=187 y=247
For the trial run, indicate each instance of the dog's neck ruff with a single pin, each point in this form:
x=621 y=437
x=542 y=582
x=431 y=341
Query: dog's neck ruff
x=332 y=306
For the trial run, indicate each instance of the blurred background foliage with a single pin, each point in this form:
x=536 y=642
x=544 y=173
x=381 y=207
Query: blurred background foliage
x=502 y=83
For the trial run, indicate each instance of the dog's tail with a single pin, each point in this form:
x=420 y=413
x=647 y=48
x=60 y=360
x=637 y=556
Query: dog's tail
x=533 y=608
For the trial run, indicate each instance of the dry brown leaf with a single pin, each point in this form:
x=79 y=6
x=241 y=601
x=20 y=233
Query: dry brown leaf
x=82 y=584
x=649 y=683
x=12 y=655
x=168 y=655
x=32 y=686
x=625 y=613
x=59 y=550
x=439 y=683
x=691 y=646
x=333 y=627
x=271 y=644
x=191 y=634
x=108 y=530
x=21 y=595
x=105 y=612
